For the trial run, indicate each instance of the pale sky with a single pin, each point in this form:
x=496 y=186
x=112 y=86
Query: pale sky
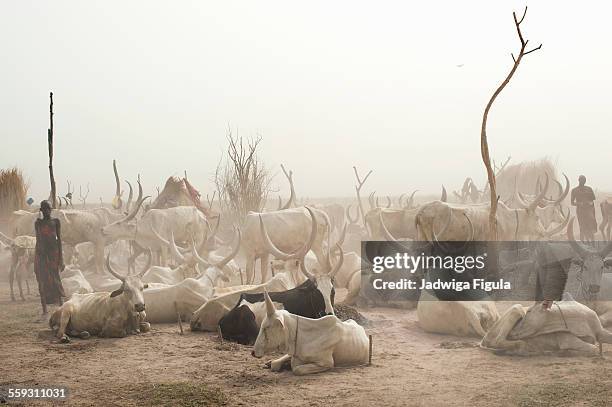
x=327 y=84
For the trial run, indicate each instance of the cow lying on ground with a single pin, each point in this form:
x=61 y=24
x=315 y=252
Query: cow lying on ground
x=312 y=345
x=207 y=317
x=242 y=323
x=568 y=326
x=239 y=324
x=102 y=314
x=74 y=281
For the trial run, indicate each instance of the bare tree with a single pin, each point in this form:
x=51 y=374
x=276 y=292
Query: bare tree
x=291 y=201
x=484 y=145
x=241 y=178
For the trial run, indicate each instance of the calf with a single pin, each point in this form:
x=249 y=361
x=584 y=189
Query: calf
x=312 y=345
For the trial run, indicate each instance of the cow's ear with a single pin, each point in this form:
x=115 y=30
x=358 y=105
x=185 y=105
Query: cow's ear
x=117 y=292
x=145 y=286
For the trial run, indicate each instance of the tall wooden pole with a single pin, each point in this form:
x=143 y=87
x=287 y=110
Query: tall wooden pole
x=53 y=196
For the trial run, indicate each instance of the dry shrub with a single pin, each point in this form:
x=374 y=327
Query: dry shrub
x=241 y=178
x=13 y=191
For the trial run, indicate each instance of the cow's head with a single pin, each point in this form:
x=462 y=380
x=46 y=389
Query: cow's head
x=131 y=290
x=272 y=336
x=538 y=217
x=191 y=258
x=592 y=264
x=323 y=278
x=239 y=325
x=126 y=227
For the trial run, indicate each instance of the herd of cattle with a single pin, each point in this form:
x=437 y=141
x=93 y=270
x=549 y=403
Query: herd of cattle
x=178 y=266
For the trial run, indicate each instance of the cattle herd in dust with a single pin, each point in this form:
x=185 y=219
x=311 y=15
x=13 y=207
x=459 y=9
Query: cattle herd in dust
x=270 y=279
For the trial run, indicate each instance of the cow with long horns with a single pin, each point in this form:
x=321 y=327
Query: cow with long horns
x=311 y=345
x=103 y=314
x=185 y=222
x=289 y=229
x=512 y=224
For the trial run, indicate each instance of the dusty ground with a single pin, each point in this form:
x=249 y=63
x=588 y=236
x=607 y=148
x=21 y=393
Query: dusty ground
x=410 y=368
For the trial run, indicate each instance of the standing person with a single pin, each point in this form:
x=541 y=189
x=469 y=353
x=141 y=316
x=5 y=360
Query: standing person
x=583 y=199
x=49 y=260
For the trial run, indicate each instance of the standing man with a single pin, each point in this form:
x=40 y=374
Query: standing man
x=49 y=260
x=583 y=199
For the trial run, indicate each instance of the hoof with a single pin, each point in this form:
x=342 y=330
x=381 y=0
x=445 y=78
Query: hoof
x=268 y=364
x=84 y=335
x=145 y=327
x=65 y=339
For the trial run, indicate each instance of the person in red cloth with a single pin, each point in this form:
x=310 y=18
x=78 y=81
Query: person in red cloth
x=49 y=260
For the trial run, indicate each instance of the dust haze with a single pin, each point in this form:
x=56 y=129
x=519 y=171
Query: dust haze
x=328 y=85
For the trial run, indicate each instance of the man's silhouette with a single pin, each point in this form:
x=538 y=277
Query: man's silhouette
x=583 y=199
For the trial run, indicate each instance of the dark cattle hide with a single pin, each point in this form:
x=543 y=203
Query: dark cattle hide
x=304 y=300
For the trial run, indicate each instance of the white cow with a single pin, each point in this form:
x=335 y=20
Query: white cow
x=74 y=281
x=459 y=318
x=288 y=229
x=566 y=326
x=103 y=314
x=185 y=223
x=312 y=345
x=512 y=224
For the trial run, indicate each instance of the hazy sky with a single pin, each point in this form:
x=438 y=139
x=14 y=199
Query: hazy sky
x=327 y=84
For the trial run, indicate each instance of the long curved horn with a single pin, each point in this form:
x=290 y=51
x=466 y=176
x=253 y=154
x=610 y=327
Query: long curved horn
x=197 y=256
x=388 y=201
x=279 y=254
x=461 y=249
x=561 y=198
x=400 y=200
x=147 y=265
x=110 y=269
x=388 y=236
x=130 y=196
x=410 y=202
x=270 y=309
x=174 y=249
x=352 y=220
x=371 y=200
x=446 y=225
x=444 y=195
x=540 y=196
x=554 y=230
x=233 y=254
x=338 y=264
x=518 y=197
x=117 y=203
x=138 y=204
x=578 y=248
x=210 y=239
x=291 y=200
x=305 y=271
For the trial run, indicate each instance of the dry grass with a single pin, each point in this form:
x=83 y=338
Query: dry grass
x=13 y=190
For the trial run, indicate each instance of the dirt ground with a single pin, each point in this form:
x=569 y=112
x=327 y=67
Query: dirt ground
x=409 y=368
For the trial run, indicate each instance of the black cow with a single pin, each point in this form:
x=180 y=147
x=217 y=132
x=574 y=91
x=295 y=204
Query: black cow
x=305 y=300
